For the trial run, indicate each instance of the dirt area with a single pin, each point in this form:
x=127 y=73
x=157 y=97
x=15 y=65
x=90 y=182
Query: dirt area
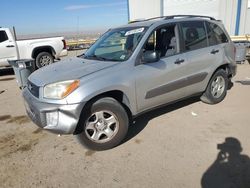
x=175 y=146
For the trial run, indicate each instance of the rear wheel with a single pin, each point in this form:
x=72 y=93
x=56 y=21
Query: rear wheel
x=44 y=59
x=217 y=88
x=105 y=124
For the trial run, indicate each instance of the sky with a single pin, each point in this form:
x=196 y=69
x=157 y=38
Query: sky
x=51 y=16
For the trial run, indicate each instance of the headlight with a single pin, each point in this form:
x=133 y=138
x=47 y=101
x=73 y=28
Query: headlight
x=60 y=90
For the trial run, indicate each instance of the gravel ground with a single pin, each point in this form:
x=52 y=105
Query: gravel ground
x=175 y=146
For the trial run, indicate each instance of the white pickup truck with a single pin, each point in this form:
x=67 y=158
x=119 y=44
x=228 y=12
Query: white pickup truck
x=43 y=50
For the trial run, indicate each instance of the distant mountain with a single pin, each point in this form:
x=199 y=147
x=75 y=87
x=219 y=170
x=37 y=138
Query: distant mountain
x=88 y=34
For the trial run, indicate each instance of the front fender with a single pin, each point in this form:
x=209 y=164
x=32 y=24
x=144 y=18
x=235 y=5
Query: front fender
x=88 y=91
x=115 y=78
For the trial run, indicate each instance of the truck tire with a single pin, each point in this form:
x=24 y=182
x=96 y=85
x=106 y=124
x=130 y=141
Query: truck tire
x=105 y=125
x=217 y=88
x=44 y=59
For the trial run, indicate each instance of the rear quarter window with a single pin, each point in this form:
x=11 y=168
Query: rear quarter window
x=3 y=36
x=215 y=34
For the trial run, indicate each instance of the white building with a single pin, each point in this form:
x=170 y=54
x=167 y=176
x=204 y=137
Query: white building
x=235 y=14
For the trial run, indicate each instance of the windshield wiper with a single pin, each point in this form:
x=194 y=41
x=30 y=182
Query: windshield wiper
x=80 y=56
x=99 y=58
x=95 y=57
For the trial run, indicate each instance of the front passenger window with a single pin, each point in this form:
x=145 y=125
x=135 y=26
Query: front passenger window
x=164 y=41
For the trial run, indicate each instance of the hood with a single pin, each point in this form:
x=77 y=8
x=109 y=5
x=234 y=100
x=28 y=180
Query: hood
x=68 y=69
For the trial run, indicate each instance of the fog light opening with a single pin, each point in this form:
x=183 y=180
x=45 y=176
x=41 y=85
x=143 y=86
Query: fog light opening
x=52 y=119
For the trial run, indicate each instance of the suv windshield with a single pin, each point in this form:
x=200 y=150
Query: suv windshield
x=116 y=44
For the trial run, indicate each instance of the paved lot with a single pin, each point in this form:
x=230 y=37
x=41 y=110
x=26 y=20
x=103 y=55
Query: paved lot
x=175 y=146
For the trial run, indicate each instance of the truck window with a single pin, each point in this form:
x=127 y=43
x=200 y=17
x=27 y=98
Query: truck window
x=194 y=35
x=3 y=36
x=164 y=41
x=215 y=34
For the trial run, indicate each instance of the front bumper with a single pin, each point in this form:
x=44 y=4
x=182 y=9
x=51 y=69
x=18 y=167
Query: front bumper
x=66 y=118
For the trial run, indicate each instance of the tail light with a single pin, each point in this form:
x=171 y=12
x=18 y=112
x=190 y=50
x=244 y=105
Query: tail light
x=64 y=44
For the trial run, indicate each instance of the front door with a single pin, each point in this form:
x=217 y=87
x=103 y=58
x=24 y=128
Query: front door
x=163 y=81
x=7 y=48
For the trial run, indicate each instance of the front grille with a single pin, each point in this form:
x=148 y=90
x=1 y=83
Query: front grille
x=33 y=89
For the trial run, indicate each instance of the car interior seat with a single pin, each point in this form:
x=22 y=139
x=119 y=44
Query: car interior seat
x=163 y=40
x=191 y=36
x=172 y=49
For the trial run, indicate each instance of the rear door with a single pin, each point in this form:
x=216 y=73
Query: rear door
x=202 y=58
x=7 y=48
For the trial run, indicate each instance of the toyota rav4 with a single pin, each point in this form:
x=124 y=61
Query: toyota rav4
x=129 y=70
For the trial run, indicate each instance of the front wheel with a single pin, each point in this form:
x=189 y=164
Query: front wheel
x=217 y=88
x=105 y=125
x=44 y=59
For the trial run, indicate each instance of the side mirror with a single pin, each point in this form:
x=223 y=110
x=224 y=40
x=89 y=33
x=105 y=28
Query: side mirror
x=150 y=56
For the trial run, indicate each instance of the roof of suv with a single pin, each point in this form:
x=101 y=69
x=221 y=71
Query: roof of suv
x=150 y=21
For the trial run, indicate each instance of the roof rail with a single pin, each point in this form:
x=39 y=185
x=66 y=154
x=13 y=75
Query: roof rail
x=188 y=16
x=137 y=20
x=143 y=20
x=172 y=17
x=155 y=18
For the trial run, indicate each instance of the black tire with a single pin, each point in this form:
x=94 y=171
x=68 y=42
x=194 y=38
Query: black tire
x=207 y=96
x=109 y=105
x=44 y=59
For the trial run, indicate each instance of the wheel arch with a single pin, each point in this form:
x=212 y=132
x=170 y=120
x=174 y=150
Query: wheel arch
x=40 y=49
x=118 y=95
x=226 y=68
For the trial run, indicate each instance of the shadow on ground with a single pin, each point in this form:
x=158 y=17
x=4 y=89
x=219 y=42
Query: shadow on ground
x=141 y=121
x=231 y=169
x=7 y=71
x=243 y=82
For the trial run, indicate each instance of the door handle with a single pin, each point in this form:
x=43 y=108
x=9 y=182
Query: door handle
x=214 y=51
x=179 y=61
x=10 y=46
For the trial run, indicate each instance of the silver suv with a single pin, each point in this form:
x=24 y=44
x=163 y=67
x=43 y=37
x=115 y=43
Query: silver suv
x=129 y=70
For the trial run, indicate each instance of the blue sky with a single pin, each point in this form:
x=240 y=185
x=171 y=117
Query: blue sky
x=49 y=16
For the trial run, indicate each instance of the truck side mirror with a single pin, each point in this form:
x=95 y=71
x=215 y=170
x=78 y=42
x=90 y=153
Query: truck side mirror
x=150 y=56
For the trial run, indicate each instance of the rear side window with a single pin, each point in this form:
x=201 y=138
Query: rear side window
x=215 y=34
x=194 y=35
x=3 y=36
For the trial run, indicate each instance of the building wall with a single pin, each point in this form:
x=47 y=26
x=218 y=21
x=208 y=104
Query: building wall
x=245 y=17
x=143 y=9
x=247 y=22
x=200 y=7
x=227 y=14
x=225 y=10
